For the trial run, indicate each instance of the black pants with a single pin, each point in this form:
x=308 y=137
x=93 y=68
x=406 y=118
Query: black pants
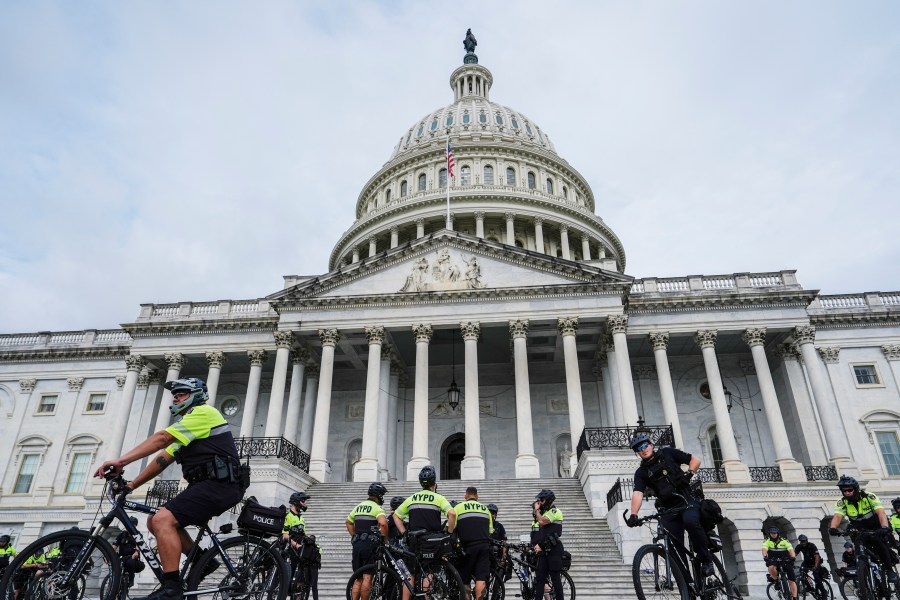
x=549 y=564
x=689 y=520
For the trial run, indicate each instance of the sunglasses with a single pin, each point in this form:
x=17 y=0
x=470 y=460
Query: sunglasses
x=180 y=395
x=642 y=447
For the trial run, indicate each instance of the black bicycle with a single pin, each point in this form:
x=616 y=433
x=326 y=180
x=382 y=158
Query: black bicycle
x=666 y=568
x=807 y=586
x=524 y=565
x=847 y=583
x=871 y=582
x=304 y=561
x=780 y=589
x=244 y=566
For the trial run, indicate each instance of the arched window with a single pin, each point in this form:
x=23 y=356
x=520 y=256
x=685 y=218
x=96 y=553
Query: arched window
x=466 y=118
x=565 y=192
x=434 y=124
x=715 y=450
x=403 y=188
x=449 y=120
x=510 y=176
x=482 y=118
x=80 y=453
x=549 y=186
x=528 y=128
x=465 y=175
x=408 y=137
x=421 y=130
x=442 y=178
x=29 y=456
x=513 y=122
x=532 y=180
x=488 y=175
x=422 y=182
x=499 y=119
x=387 y=196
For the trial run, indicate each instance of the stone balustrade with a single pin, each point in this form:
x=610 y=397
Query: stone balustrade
x=224 y=309
x=858 y=301
x=65 y=339
x=716 y=283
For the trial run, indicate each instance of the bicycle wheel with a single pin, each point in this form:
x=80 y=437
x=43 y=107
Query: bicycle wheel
x=773 y=591
x=864 y=589
x=718 y=585
x=847 y=588
x=301 y=582
x=568 y=591
x=59 y=551
x=656 y=577
x=441 y=581
x=261 y=571
x=495 y=589
x=386 y=585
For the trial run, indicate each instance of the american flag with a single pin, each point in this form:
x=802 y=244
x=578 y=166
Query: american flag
x=451 y=162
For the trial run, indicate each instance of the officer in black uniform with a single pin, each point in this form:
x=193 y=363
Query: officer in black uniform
x=474 y=525
x=546 y=531
x=848 y=560
x=499 y=535
x=127 y=550
x=365 y=524
x=394 y=533
x=660 y=470
x=812 y=561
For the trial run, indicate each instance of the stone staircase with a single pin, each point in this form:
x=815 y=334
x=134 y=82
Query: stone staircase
x=597 y=568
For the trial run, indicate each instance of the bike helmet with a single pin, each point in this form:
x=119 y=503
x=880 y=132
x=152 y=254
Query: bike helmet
x=847 y=482
x=896 y=503
x=848 y=545
x=802 y=539
x=195 y=387
x=427 y=477
x=378 y=490
x=4 y=539
x=546 y=495
x=396 y=501
x=774 y=530
x=492 y=508
x=639 y=439
x=299 y=499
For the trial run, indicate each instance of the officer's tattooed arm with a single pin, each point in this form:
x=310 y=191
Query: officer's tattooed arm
x=154 y=468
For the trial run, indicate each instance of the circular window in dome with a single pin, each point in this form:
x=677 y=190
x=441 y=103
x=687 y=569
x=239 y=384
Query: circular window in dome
x=420 y=131
x=499 y=119
x=449 y=120
x=513 y=122
x=466 y=118
x=434 y=124
x=528 y=128
x=230 y=407
x=482 y=117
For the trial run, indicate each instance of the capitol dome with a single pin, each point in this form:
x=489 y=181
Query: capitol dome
x=509 y=185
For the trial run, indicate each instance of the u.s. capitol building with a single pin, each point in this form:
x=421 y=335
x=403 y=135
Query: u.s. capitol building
x=525 y=305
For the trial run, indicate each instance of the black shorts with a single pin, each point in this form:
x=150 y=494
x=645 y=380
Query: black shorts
x=202 y=501
x=476 y=563
x=363 y=554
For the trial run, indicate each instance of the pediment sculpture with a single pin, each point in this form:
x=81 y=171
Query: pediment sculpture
x=443 y=274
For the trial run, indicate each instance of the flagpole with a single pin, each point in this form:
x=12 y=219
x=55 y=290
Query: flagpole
x=447 y=151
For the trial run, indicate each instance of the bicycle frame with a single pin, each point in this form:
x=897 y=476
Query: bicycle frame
x=865 y=553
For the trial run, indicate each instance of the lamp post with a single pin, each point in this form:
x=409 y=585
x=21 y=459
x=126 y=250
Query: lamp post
x=453 y=390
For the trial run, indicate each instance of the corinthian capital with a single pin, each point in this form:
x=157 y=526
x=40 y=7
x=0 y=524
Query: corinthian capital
x=706 y=338
x=27 y=385
x=134 y=362
x=283 y=339
x=329 y=337
x=601 y=357
x=788 y=352
x=257 y=357
x=216 y=359
x=75 y=383
x=423 y=332
x=617 y=323
x=300 y=355
x=539 y=221
x=375 y=334
x=567 y=325
x=479 y=215
x=143 y=380
x=644 y=371
x=518 y=328
x=829 y=354
x=174 y=360
x=891 y=351
x=805 y=334
x=755 y=336
x=509 y=216
x=660 y=340
x=471 y=330
x=312 y=370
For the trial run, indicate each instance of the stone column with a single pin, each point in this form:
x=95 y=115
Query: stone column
x=420 y=233
x=585 y=246
x=395 y=236
x=355 y=254
x=735 y=470
x=248 y=420
x=292 y=420
x=372 y=246
x=510 y=229
x=473 y=463
x=603 y=375
x=318 y=456
x=283 y=342
x=527 y=465
x=309 y=406
x=618 y=324
x=479 y=224
x=660 y=341
x=134 y=363
x=791 y=470
x=804 y=406
x=174 y=364
x=539 y=234
x=383 y=409
x=215 y=360
x=835 y=438
x=367 y=467
x=393 y=401
x=420 y=458
x=612 y=366
x=892 y=354
x=567 y=327
x=564 y=241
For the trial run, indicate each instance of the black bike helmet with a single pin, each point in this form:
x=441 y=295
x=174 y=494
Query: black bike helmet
x=396 y=501
x=4 y=539
x=427 y=477
x=846 y=482
x=775 y=530
x=896 y=504
x=802 y=539
x=848 y=545
x=639 y=439
x=546 y=495
x=378 y=490
x=299 y=499
x=492 y=508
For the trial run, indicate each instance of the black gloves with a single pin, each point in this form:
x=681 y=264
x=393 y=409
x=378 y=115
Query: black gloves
x=834 y=531
x=885 y=530
x=632 y=521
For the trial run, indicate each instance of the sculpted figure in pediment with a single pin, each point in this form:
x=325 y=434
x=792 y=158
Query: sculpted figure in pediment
x=415 y=281
x=473 y=274
x=444 y=271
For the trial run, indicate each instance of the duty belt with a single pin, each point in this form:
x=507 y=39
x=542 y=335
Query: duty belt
x=362 y=537
x=219 y=468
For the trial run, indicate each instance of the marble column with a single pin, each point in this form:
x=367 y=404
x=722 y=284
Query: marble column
x=473 y=462
x=568 y=327
x=355 y=255
x=564 y=241
x=309 y=406
x=319 y=467
x=292 y=420
x=527 y=465
x=618 y=325
x=735 y=470
x=393 y=402
x=419 y=459
x=479 y=224
x=174 y=364
x=134 y=363
x=215 y=360
x=284 y=340
x=248 y=420
x=585 y=246
x=603 y=375
x=395 y=236
x=510 y=229
x=612 y=366
x=383 y=410
x=892 y=354
x=367 y=467
x=791 y=470
x=372 y=246
x=420 y=230
x=812 y=436
x=539 y=234
x=660 y=342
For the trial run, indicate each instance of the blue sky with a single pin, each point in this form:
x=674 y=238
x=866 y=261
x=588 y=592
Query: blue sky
x=159 y=152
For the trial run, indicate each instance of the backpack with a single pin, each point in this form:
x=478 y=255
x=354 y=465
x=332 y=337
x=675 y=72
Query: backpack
x=710 y=514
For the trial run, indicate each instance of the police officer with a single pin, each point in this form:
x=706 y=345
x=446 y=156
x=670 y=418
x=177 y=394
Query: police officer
x=811 y=560
x=295 y=531
x=7 y=553
x=865 y=513
x=848 y=560
x=394 y=533
x=895 y=518
x=201 y=441
x=365 y=523
x=499 y=535
x=660 y=470
x=775 y=551
x=474 y=526
x=127 y=550
x=546 y=530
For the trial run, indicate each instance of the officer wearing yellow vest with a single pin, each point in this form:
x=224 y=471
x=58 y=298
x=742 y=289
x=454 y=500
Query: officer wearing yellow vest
x=546 y=531
x=779 y=554
x=366 y=523
x=294 y=531
x=866 y=514
x=7 y=552
x=201 y=441
x=474 y=526
x=895 y=518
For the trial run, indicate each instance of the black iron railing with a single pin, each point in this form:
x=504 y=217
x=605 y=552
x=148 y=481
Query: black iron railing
x=273 y=447
x=711 y=475
x=162 y=491
x=765 y=474
x=614 y=495
x=598 y=438
x=821 y=473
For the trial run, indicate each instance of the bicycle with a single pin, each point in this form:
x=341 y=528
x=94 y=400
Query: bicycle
x=666 y=568
x=780 y=589
x=871 y=581
x=244 y=566
x=429 y=574
x=847 y=584
x=302 y=560
x=524 y=565
x=497 y=577
x=806 y=586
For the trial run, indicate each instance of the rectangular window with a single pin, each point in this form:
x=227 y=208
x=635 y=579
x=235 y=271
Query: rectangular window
x=96 y=403
x=865 y=375
x=890 y=451
x=26 y=473
x=47 y=405
x=81 y=462
x=442 y=178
